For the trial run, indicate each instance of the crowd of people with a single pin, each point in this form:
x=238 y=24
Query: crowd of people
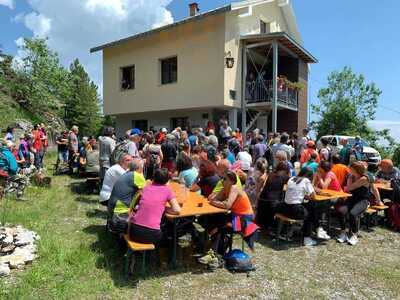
x=254 y=178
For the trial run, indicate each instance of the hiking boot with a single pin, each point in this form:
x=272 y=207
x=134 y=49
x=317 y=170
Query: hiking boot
x=353 y=240
x=321 y=234
x=208 y=258
x=309 y=242
x=342 y=238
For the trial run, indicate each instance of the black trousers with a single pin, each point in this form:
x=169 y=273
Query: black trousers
x=141 y=234
x=303 y=211
x=353 y=210
x=266 y=210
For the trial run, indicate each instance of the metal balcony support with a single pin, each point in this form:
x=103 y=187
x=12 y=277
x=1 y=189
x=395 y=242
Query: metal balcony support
x=274 y=86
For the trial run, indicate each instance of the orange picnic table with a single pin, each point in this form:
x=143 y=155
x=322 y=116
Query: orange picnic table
x=192 y=205
x=384 y=186
x=327 y=195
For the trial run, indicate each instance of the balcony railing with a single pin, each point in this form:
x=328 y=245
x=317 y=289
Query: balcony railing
x=261 y=91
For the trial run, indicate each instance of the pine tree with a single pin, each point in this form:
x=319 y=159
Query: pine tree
x=82 y=107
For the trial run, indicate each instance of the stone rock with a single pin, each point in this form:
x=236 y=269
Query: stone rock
x=24 y=238
x=26 y=253
x=5 y=259
x=4 y=270
x=8 y=240
x=16 y=261
x=8 y=248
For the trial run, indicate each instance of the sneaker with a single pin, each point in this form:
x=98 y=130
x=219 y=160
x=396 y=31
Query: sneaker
x=215 y=263
x=208 y=258
x=321 y=234
x=198 y=227
x=343 y=237
x=185 y=240
x=353 y=240
x=309 y=242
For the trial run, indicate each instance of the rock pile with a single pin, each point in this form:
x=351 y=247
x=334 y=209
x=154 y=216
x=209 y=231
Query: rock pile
x=17 y=248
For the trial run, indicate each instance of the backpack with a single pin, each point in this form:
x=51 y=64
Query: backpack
x=238 y=261
x=120 y=149
x=395 y=185
x=394 y=216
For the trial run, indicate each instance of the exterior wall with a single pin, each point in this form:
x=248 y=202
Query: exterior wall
x=161 y=119
x=199 y=46
x=302 y=121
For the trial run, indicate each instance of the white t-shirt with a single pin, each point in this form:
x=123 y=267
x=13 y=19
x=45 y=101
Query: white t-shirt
x=295 y=193
x=245 y=160
x=110 y=178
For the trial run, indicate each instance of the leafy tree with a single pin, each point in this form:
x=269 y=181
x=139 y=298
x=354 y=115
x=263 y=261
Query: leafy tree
x=82 y=106
x=346 y=105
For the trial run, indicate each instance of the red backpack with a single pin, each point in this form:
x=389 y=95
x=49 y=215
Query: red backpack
x=394 y=216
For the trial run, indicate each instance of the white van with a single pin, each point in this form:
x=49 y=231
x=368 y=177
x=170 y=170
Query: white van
x=373 y=156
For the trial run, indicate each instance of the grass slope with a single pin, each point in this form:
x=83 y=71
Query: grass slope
x=11 y=111
x=79 y=260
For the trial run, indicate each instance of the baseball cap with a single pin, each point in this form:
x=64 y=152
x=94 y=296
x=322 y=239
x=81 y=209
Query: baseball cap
x=164 y=130
x=135 y=131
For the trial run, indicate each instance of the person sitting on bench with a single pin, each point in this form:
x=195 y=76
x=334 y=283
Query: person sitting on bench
x=145 y=223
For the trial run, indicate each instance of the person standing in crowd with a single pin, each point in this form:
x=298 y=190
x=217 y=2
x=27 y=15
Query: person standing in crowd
x=91 y=166
x=294 y=143
x=312 y=162
x=37 y=147
x=62 y=147
x=325 y=153
x=73 y=147
x=345 y=152
x=106 y=148
x=306 y=155
x=245 y=159
x=302 y=145
x=259 y=148
x=112 y=175
x=24 y=150
x=133 y=142
x=153 y=157
x=170 y=151
x=282 y=145
x=225 y=132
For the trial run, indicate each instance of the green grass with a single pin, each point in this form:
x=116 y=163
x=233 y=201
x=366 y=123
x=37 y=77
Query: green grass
x=11 y=111
x=79 y=260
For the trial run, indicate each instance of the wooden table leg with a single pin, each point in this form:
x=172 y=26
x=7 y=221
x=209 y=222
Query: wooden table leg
x=174 y=243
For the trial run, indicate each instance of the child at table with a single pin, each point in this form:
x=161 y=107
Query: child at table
x=300 y=188
x=354 y=207
x=145 y=224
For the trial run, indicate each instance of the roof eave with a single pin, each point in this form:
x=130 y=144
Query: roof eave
x=276 y=35
x=216 y=11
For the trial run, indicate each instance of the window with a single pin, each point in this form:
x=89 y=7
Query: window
x=140 y=124
x=128 y=78
x=169 y=70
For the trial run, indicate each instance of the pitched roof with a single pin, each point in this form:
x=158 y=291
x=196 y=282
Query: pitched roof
x=216 y=11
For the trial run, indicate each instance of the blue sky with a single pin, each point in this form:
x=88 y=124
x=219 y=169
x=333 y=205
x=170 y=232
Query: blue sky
x=360 y=33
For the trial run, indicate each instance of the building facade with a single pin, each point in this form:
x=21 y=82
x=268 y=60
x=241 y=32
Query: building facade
x=214 y=64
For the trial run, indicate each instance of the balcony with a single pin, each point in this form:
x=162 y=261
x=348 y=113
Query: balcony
x=260 y=91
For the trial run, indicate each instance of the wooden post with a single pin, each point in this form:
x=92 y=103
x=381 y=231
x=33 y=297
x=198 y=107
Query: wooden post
x=244 y=75
x=275 y=87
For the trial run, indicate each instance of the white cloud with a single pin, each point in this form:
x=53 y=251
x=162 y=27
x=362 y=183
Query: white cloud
x=73 y=27
x=9 y=3
x=394 y=127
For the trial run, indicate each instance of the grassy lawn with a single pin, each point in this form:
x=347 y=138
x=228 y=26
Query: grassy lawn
x=79 y=260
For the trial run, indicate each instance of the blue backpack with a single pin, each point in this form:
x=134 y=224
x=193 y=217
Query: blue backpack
x=238 y=261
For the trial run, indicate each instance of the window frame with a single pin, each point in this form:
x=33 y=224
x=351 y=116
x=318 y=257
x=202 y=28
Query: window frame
x=160 y=63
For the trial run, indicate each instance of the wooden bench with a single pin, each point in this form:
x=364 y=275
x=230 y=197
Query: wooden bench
x=369 y=213
x=284 y=220
x=132 y=248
